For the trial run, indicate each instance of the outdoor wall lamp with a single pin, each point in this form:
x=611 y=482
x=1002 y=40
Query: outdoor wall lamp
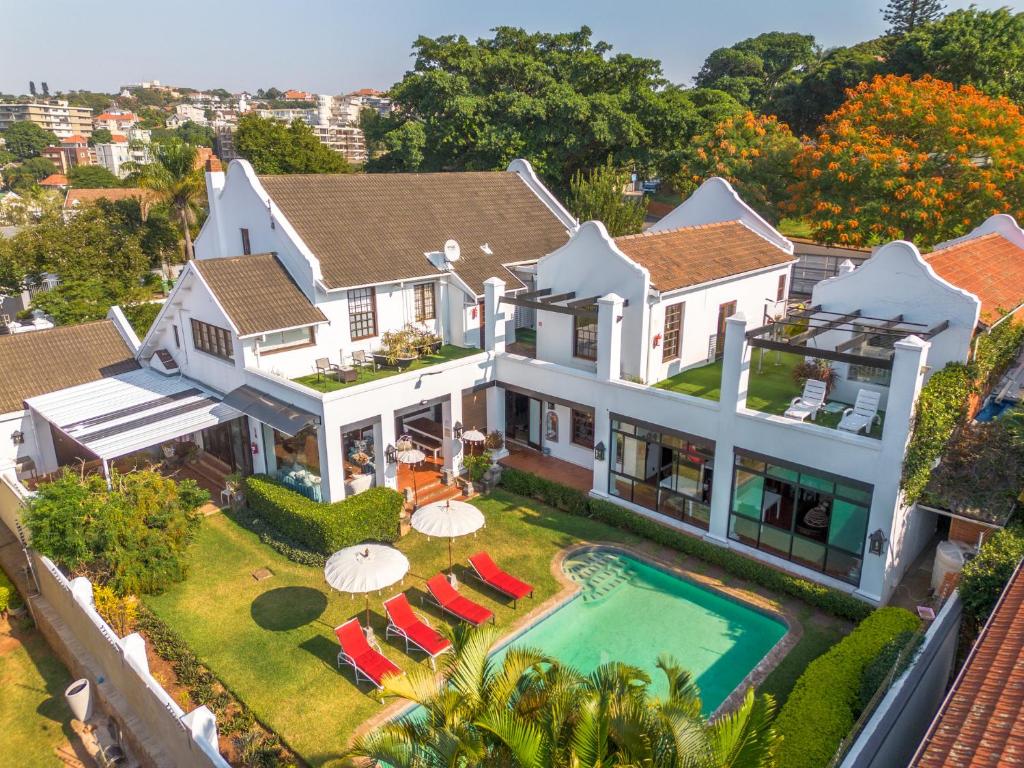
x=599 y=451
x=17 y=437
x=391 y=454
x=876 y=542
x=457 y=430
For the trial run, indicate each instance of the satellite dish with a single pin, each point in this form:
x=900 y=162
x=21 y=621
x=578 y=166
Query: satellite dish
x=452 y=250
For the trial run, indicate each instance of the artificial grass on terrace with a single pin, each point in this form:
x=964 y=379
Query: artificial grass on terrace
x=367 y=373
x=770 y=391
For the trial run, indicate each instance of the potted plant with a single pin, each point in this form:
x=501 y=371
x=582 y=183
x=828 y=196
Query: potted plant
x=427 y=342
x=494 y=441
x=398 y=349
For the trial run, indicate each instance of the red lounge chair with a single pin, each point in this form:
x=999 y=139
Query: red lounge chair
x=490 y=574
x=355 y=651
x=452 y=602
x=403 y=623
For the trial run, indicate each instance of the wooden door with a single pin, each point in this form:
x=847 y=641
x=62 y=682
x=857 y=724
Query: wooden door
x=724 y=311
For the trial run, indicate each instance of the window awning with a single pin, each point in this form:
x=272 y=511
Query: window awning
x=139 y=409
x=269 y=410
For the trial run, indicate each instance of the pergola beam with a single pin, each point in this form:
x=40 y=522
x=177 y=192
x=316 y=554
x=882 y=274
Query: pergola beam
x=825 y=354
x=817 y=330
x=558 y=297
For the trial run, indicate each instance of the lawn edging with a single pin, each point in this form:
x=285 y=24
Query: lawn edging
x=576 y=502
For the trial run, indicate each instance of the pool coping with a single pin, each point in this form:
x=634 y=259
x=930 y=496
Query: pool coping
x=570 y=590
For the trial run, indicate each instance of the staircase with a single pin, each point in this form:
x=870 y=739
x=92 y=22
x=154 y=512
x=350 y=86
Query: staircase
x=208 y=472
x=599 y=573
x=430 y=491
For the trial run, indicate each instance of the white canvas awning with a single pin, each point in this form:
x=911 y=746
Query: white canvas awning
x=122 y=414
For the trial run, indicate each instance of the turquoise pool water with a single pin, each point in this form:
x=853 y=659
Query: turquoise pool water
x=630 y=611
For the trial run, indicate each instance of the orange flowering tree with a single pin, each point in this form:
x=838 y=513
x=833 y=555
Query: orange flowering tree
x=920 y=160
x=753 y=152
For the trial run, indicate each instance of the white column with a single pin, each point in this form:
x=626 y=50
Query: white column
x=609 y=337
x=735 y=375
x=735 y=364
x=451 y=412
x=332 y=466
x=602 y=434
x=259 y=459
x=494 y=318
x=908 y=368
x=496 y=415
x=384 y=436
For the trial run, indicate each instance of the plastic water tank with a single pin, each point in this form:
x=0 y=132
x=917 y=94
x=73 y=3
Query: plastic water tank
x=949 y=558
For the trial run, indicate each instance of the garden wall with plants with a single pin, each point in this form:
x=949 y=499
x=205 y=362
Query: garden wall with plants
x=325 y=528
x=577 y=503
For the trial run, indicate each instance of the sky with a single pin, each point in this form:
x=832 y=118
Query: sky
x=339 y=46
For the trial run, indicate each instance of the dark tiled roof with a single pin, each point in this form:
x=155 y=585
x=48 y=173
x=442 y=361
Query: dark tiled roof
x=981 y=723
x=257 y=293
x=376 y=227
x=678 y=258
x=37 y=362
x=990 y=267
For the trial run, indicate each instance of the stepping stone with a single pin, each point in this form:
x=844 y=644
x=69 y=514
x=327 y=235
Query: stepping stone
x=262 y=573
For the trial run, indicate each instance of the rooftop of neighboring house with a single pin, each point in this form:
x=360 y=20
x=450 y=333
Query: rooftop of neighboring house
x=236 y=280
x=378 y=227
x=118 y=116
x=688 y=256
x=367 y=92
x=118 y=138
x=76 y=139
x=54 y=180
x=78 y=196
x=982 y=718
x=44 y=361
x=989 y=265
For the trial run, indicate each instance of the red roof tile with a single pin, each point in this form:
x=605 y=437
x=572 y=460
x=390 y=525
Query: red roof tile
x=990 y=267
x=54 y=180
x=679 y=258
x=981 y=723
x=121 y=118
x=76 y=139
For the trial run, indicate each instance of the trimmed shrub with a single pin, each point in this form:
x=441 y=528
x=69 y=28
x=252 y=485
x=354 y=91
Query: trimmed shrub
x=820 y=712
x=9 y=597
x=325 y=528
x=576 y=503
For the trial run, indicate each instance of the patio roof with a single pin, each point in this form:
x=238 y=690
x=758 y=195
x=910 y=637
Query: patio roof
x=791 y=334
x=544 y=300
x=270 y=410
x=122 y=414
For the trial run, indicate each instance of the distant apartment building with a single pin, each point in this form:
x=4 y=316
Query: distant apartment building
x=188 y=112
x=290 y=114
x=118 y=155
x=346 y=139
x=351 y=105
x=116 y=121
x=56 y=116
x=71 y=152
x=224 y=144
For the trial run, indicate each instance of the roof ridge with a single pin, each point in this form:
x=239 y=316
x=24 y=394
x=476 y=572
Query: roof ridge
x=404 y=174
x=688 y=227
x=971 y=241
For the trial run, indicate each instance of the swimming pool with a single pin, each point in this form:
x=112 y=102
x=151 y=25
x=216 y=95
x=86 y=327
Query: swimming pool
x=629 y=610
x=993 y=410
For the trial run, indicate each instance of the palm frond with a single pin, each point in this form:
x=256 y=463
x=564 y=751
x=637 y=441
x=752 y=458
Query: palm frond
x=745 y=738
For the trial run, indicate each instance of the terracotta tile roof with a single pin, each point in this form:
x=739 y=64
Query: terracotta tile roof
x=679 y=258
x=76 y=139
x=376 y=227
x=79 y=196
x=367 y=92
x=257 y=293
x=118 y=138
x=54 y=180
x=990 y=267
x=981 y=722
x=123 y=117
x=37 y=362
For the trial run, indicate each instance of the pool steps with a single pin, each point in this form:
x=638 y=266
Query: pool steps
x=599 y=573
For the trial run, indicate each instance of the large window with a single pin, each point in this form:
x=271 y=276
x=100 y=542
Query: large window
x=362 y=313
x=423 y=301
x=282 y=340
x=583 y=428
x=212 y=340
x=584 y=338
x=666 y=472
x=809 y=517
x=297 y=461
x=673 y=333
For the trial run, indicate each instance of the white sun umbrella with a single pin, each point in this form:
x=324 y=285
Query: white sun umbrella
x=448 y=519
x=473 y=436
x=364 y=569
x=412 y=456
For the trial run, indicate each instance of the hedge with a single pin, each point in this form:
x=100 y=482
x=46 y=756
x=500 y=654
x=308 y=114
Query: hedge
x=577 y=503
x=9 y=597
x=325 y=528
x=821 y=710
x=986 y=575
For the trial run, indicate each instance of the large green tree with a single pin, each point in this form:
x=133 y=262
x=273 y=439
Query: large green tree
x=756 y=69
x=598 y=195
x=24 y=176
x=178 y=180
x=562 y=101
x=101 y=136
x=969 y=47
x=24 y=139
x=92 y=177
x=275 y=147
x=528 y=710
x=904 y=16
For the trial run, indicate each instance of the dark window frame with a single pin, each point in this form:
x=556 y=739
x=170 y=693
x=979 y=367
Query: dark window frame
x=424 y=298
x=246 y=246
x=584 y=338
x=177 y=337
x=582 y=418
x=672 y=337
x=362 y=324
x=213 y=340
x=780 y=292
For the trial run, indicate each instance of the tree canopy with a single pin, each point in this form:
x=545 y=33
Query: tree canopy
x=24 y=139
x=274 y=147
x=24 y=177
x=562 y=101
x=915 y=159
x=904 y=16
x=92 y=177
x=101 y=136
x=598 y=195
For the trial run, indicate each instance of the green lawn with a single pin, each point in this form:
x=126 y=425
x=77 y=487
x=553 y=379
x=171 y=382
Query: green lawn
x=770 y=391
x=33 y=715
x=818 y=637
x=272 y=641
x=367 y=374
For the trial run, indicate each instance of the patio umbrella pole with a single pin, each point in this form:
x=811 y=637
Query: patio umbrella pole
x=449 y=555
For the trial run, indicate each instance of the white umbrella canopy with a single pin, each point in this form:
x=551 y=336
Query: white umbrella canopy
x=448 y=519
x=473 y=436
x=365 y=568
x=411 y=456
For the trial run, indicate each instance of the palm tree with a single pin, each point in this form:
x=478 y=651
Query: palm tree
x=529 y=711
x=177 y=180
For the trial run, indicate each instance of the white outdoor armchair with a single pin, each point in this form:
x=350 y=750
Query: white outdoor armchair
x=863 y=414
x=810 y=402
